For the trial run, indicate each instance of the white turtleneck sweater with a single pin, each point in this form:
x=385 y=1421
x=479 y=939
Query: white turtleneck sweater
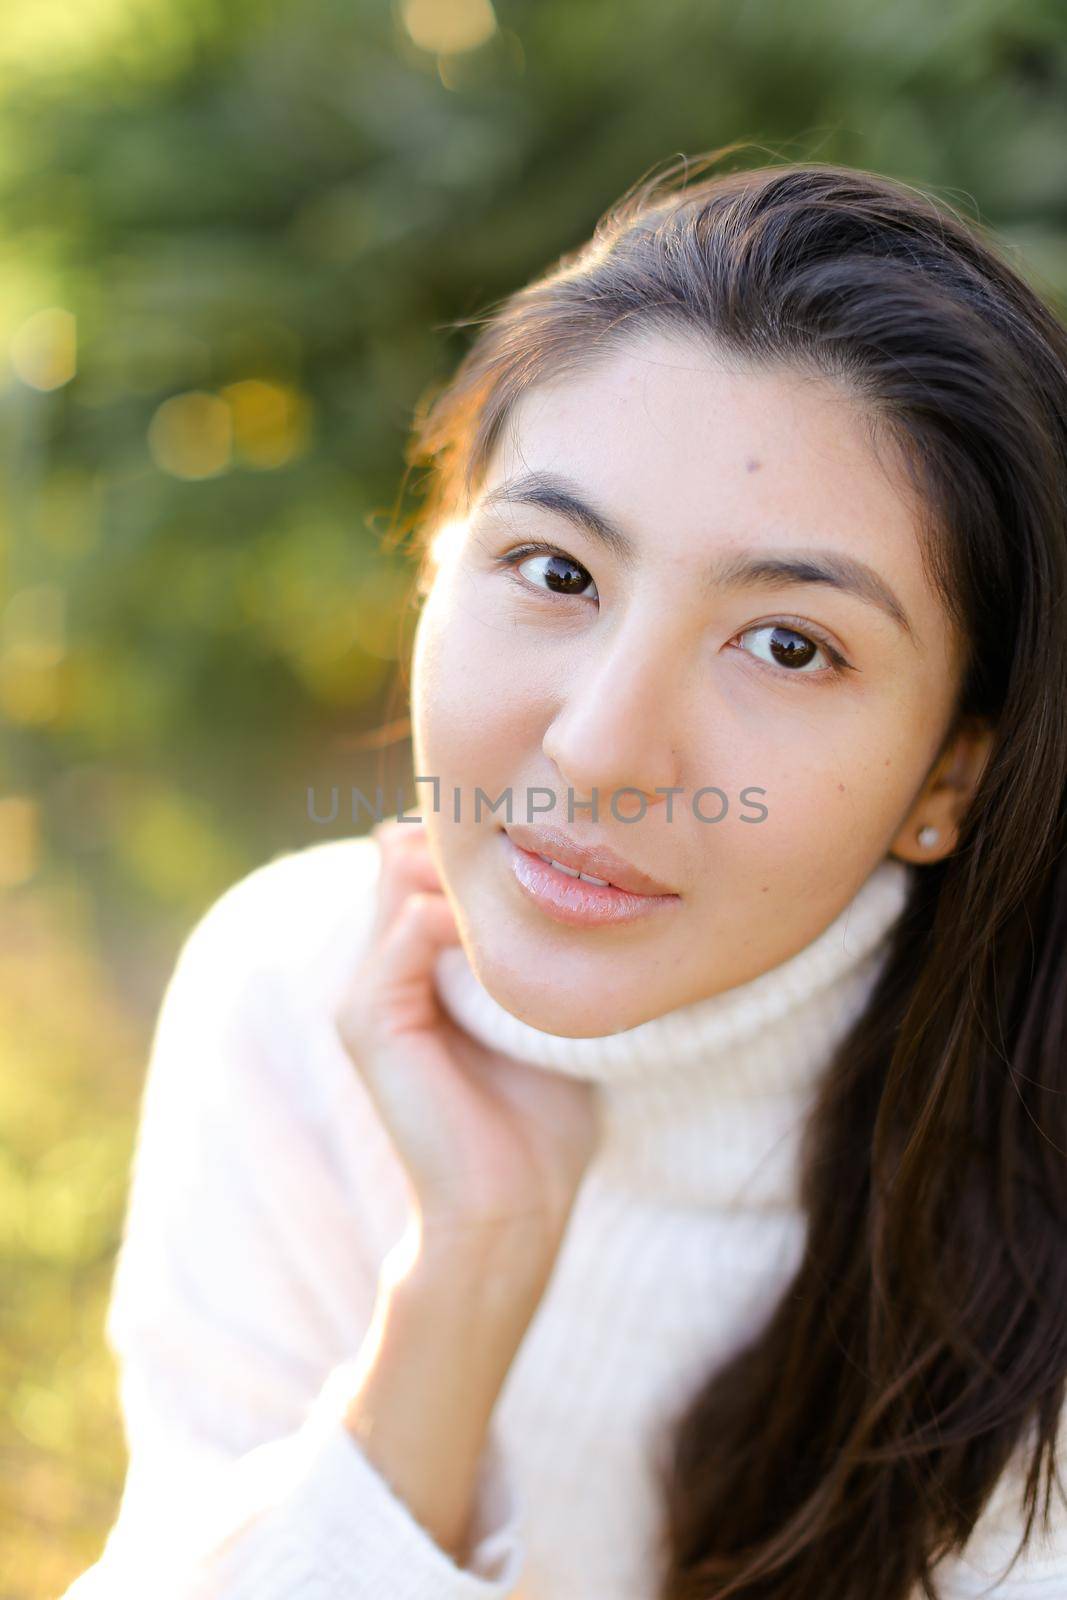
x=265 y=1196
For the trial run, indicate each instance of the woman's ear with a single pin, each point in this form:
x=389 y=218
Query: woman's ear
x=931 y=829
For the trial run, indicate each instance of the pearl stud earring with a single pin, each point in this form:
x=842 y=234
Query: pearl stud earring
x=927 y=836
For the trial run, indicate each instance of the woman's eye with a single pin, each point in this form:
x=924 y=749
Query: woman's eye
x=558 y=573
x=789 y=649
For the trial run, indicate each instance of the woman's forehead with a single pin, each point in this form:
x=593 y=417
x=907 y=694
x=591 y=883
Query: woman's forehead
x=695 y=463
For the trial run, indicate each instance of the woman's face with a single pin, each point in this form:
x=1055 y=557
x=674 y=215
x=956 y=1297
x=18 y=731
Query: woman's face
x=652 y=668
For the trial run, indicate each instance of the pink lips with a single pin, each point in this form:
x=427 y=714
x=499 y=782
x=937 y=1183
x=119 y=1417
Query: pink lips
x=597 y=860
x=573 y=900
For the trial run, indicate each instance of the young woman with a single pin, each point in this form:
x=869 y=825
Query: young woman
x=639 y=1172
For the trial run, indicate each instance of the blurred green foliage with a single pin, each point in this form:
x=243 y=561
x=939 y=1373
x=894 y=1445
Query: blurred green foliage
x=233 y=237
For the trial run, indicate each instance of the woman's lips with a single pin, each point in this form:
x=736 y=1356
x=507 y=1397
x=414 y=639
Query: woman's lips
x=597 y=861
x=574 y=900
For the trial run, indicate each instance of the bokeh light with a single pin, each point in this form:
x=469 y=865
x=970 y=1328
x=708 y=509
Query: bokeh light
x=191 y=435
x=44 y=350
x=19 y=839
x=271 y=421
x=32 y=650
x=448 y=26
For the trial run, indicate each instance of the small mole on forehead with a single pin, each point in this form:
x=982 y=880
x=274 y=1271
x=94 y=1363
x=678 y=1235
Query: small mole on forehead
x=752 y=465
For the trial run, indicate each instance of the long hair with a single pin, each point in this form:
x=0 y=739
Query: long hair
x=921 y=1347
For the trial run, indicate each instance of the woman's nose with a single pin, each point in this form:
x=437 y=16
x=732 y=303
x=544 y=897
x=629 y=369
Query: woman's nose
x=615 y=727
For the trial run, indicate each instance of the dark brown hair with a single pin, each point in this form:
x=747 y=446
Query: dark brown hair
x=922 y=1345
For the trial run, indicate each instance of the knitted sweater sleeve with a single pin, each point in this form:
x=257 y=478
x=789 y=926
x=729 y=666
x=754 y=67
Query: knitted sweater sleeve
x=244 y=1283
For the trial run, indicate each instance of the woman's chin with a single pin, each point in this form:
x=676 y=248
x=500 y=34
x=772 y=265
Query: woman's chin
x=555 y=1004
x=579 y=984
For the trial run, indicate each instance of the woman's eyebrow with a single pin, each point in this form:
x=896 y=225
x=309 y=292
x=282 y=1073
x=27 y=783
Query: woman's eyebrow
x=734 y=570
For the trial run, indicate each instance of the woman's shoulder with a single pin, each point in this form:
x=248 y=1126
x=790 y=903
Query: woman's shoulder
x=301 y=918
x=251 y=1001
x=262 y=1198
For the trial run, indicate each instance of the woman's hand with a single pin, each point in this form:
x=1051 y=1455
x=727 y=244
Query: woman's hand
x=494 y=1149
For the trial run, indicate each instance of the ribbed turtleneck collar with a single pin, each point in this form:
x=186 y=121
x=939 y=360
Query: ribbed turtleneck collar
x=704 y=1102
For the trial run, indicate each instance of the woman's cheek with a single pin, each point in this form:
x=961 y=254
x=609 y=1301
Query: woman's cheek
x=465 y=734
x=442 y=690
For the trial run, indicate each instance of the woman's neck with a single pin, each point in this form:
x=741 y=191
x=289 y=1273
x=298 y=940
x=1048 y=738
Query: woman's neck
x=704 y=1103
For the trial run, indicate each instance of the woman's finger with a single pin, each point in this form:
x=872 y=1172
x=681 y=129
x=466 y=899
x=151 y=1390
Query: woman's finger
x=422 y=927
x=406 y=868
x=391 y=1015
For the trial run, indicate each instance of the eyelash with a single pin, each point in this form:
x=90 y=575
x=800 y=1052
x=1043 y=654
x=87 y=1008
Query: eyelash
x=806 y=630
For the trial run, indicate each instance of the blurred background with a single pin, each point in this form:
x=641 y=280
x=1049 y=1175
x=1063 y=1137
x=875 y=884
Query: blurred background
x=238 y=239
